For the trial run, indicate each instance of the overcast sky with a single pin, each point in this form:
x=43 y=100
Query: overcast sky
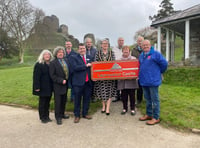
x=106 y=18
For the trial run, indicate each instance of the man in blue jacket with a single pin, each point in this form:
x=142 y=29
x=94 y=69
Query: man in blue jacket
x=152 y=66
x=81 y=82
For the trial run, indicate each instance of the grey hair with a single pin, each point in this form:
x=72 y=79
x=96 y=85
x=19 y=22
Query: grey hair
x=140 y=37
x=55 y=51
x=87 y=39
x=41 y=56
x=105 y=40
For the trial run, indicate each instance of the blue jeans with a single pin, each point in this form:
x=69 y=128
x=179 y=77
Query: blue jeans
x=152 y=101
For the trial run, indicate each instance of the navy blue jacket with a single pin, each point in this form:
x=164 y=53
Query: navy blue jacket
x=152 y=65
x=79 y=70
x=70 y=54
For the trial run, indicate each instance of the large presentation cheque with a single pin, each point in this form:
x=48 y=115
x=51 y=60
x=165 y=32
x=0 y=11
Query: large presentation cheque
x=115 y=70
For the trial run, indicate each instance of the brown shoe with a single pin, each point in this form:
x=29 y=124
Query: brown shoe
x=145 y=117
x=76 y=120
x=87 y=117
x=153 y=121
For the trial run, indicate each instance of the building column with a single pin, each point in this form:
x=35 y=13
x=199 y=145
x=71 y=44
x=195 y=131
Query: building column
x=167 y=44
x=172 y=46
x=159 y=39
x=187 y=39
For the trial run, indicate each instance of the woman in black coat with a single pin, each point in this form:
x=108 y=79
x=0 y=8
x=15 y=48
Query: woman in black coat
x=42 y=84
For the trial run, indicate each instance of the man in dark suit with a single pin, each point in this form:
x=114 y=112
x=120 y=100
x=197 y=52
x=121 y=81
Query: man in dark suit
x=59 y=70
x=81 y=82
x=136 y=53
x=91 y=51
x=70 y=52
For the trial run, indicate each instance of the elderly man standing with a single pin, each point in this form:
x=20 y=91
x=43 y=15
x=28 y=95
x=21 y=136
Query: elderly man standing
x=152 y=66
x=136 y=53
x=91 y=51
x=118 y=54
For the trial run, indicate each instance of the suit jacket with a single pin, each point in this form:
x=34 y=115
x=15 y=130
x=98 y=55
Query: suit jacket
x=136 y=52
x=42 y=80
x=70 y=54
x=92 y=52
x=57 y=75
x=79 y=70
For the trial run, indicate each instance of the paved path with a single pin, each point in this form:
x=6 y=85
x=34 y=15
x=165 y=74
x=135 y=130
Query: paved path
x=20 y=128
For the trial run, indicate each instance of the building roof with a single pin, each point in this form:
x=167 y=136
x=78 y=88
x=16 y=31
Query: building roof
x=181 y=15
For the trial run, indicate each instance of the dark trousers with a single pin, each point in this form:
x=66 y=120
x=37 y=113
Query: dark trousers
x=82 y=92
x=60 y=102
x=43 y=108
x=139 y=95
x=92 y=91
x=131 y=94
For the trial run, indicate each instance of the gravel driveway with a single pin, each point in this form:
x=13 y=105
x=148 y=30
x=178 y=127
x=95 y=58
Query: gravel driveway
x=21 y=128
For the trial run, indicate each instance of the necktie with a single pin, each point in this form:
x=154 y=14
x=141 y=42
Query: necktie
x=88 y=51
x=86 y=72
x=65 y=68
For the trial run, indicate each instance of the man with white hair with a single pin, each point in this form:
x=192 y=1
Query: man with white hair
x=91 y=51
x=152 y=66
x=118 y=54
x=136 y=53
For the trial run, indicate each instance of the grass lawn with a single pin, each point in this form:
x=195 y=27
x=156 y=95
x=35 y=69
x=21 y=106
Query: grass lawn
x=179 y=94
x=16 y=88
x=180 y=98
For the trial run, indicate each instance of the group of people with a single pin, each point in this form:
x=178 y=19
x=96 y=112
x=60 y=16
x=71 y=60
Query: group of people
x=69 y=69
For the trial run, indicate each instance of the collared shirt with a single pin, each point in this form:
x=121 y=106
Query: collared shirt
x=118 y=52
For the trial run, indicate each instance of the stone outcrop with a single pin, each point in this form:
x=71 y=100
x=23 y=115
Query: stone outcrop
x=49 y=34
x=51 y=22
x=63 y=29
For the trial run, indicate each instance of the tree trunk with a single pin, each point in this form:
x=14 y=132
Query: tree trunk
x=21 y=55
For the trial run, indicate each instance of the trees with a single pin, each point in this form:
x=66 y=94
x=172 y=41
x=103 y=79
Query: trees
x=18 y=18
x=166 y=10
x=7 y=45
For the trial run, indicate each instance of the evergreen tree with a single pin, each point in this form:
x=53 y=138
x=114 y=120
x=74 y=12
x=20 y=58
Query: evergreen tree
x=166 y=10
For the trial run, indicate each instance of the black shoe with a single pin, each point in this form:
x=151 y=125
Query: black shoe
x=44 y=120
x=59 y=121
x=123 y=112
x=107 y=114
x=65 y=116
x=103 y=111
x=48 y=119
x=133 y=112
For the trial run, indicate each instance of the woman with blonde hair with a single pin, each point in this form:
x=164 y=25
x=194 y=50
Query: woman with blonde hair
x=42 y=84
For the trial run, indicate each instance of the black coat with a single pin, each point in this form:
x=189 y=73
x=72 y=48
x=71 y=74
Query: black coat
x=42 y=80
x=57 y=75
